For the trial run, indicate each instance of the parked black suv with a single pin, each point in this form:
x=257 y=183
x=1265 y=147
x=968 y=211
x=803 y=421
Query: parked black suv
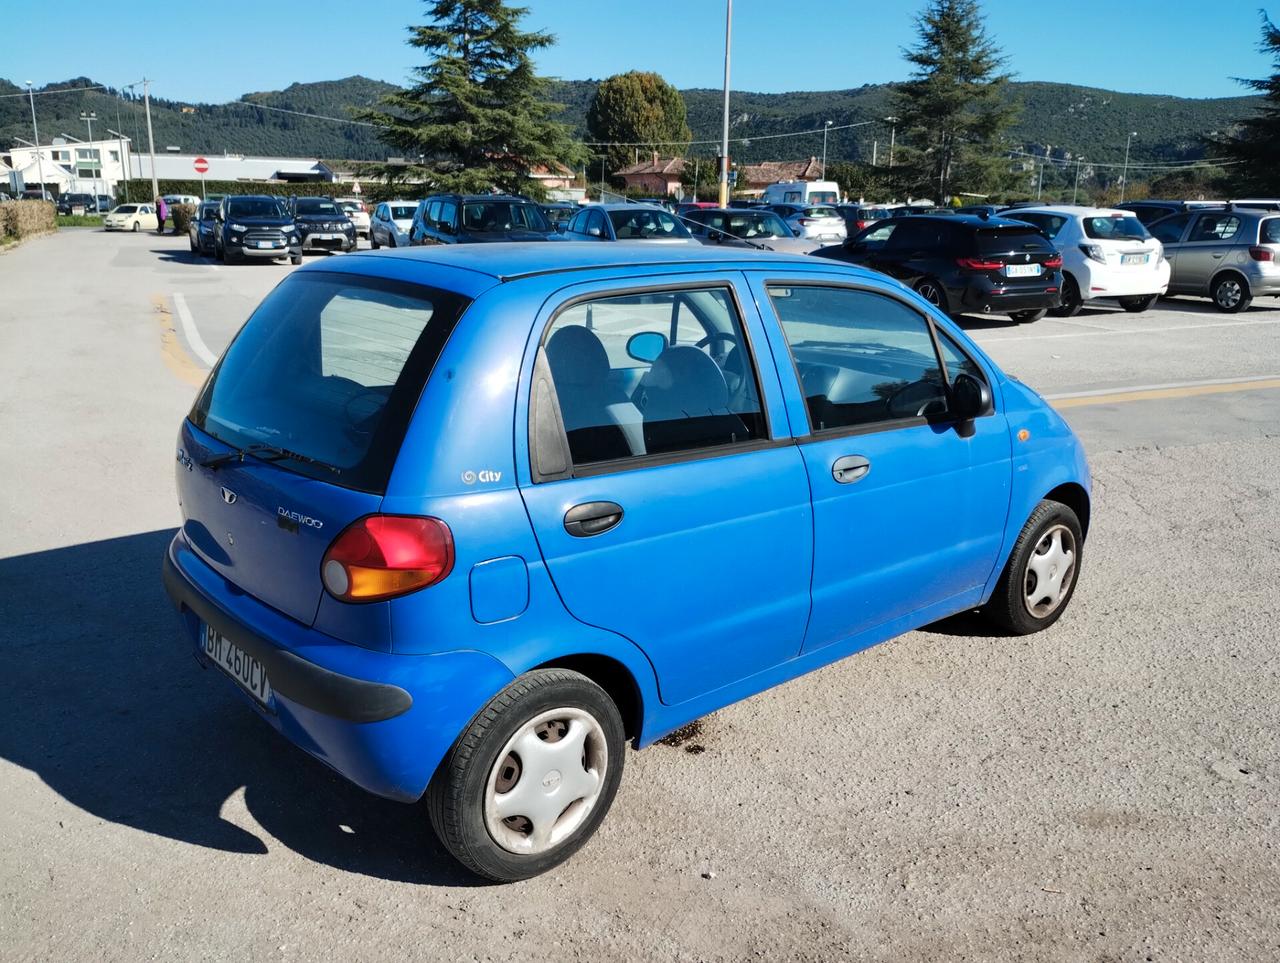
x=1148 y=212
x=255 y=226
x=963 y=263
x=478 y=218
x=323 y=225
x=67 y=202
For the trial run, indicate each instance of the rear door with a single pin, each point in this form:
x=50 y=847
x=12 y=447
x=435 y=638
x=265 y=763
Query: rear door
x=1212 y=236
x=909 y=506
x=328 y=369
x=676 y=512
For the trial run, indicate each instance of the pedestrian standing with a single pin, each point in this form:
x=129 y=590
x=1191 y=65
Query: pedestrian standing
x=162 y=212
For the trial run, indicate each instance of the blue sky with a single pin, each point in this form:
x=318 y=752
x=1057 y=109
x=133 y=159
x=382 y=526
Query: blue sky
x=1175 y=47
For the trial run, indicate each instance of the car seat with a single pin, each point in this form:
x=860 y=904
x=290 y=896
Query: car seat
x=599 y=419
x=685 y=403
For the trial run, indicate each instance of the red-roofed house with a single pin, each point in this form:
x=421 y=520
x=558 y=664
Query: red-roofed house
x=658 y=175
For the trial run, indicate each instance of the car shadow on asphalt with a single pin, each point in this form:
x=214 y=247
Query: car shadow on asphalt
x=970 y=624
x=105 y=702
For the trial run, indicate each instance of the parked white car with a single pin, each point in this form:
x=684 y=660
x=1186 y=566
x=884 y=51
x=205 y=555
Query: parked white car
x=390 y=223
x=172 y=199
x=1106 y=253
x=822 y=224
x=131 y=217
x=357 y=212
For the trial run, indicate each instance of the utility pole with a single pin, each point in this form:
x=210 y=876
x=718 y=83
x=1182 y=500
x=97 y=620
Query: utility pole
x=35 y=133
x=1124 y=177
x=893 y=135
x=89 y=118
x=124 y=156
x=1075 y=195
x=875 y=144
x=151 y=140
x=825 y=128
x=724 y=144
x=695 y=178
x=1040 y=183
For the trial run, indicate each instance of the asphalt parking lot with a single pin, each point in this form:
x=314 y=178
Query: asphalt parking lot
x=1107 y=790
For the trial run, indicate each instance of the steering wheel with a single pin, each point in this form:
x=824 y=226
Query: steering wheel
x=918 y=399
x=719 y=337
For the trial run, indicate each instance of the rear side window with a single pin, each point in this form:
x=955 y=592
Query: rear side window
x=1215 y=227
x=330 y=367
x=1269 y=232
x=657 y=373
x=863 y=359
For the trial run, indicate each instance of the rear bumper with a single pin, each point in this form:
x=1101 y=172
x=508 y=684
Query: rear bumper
x=990 y=299
x=1104 y=281
x=383 y=721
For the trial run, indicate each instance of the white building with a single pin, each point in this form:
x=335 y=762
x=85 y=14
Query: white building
x=85 y=167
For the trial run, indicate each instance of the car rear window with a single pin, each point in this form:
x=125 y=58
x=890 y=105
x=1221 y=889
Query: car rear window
x=330 y=366
x=1113 y=227
x=1002 y=240
x=820 y=212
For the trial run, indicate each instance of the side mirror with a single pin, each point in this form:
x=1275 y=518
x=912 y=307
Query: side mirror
x=717 y=236
x=970 y=398
x=646 y=346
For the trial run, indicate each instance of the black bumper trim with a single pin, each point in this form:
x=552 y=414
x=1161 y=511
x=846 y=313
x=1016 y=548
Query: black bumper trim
x=300 y=681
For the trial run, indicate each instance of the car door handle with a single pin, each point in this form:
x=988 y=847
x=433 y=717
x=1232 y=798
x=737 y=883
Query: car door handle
x=850 y=468
x=1216 y=256
x=592 y=518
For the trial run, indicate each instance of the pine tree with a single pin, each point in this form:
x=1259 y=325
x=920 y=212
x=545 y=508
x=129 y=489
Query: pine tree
x=1256 y=149
x=953 y=112
x=640 y=110
x=476 y=118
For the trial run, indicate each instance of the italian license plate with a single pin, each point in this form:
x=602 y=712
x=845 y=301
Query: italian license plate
x=1134 y=258
x=237 y=663
x=1022 y=270
x=266 y=244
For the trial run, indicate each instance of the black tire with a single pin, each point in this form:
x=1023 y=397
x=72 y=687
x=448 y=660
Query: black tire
x=295 y=258
x=1231 y=293
x=229 y=256
x=1139 y=303
x=1026 y=317
x=934 y=293
x=192 y=243
x=457 y=794
x=373 y=241
x=1071 y=300
x=1008 y=607
x=135 y=227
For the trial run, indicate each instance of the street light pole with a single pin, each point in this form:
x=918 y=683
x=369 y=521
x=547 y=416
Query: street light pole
x=1124 y=177
x=35 y=133
x=151 y=140
x=1075 y=194
x=96 y=155
x=724 y=142
x=124 y=157
x=826 y=128
x=893 y=134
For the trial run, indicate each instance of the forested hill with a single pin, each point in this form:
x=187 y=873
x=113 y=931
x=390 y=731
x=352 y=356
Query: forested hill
x=1071 y=120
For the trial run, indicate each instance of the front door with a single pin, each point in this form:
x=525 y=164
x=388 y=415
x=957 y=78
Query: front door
x=668 y=501
x=909 y=506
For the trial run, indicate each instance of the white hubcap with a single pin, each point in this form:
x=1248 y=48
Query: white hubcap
x=546 y=781
x=1050 y=571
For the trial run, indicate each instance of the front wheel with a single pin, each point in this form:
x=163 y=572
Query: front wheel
x=1231 y=294
x=1139 y=303
x=373 y=241
x=134 y=228
x=1071 y=300
x=295 y=258
x=1026 y=317
x=1041 y=574
x=531 y=778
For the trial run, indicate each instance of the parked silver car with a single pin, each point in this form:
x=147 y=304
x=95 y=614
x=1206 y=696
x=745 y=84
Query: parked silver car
x=1230 y=254
x=821 y=223
x=743 y=227
x=390 y=222
x=627 y=222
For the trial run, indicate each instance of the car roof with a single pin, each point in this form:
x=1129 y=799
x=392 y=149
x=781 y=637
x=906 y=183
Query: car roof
x=1072 y=210
x=509 y=262
x=965 y=220
x=629 y=207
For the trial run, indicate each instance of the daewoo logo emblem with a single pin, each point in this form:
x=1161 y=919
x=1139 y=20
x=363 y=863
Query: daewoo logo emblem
x=228 y=496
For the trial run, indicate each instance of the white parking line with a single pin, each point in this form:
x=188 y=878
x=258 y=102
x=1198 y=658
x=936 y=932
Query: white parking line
x=194 y=340
x=1126 y=331
x=1127 y=389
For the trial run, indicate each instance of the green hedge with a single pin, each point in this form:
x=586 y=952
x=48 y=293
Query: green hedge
x=19 y=219
x=183 y=215
x=370 y=192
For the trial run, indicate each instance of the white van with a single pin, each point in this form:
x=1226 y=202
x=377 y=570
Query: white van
x=802 y=192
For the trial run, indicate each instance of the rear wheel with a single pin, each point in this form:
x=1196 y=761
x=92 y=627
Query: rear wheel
x=1026 y=317
x=1071 y=300
x=531 y=777
x=1138 y=304
x=134 y=228
x=933 y=292
x=1231 y=293
x=1041 y=574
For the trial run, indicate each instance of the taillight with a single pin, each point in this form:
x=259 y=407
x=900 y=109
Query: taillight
x=1261 y=254
x=382 y=556
x=977 y=264
x=802 y=221
x=1054 y=262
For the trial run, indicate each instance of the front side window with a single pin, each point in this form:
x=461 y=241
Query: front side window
x=645 y=224
x=653 y=374
x=1215 y=227
x=491 y=216
x=878 y=234
x=1168 y=230
x=863 y=359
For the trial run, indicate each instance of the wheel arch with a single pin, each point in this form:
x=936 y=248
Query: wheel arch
x=615 y=678
x=1230 y=269
x=1073 y=495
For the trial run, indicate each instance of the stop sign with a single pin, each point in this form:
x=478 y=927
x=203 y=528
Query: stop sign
x=201 y=165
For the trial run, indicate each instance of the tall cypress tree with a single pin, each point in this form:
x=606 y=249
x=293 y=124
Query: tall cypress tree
x=477 y=116
x=1256 y=149
x=954 y=110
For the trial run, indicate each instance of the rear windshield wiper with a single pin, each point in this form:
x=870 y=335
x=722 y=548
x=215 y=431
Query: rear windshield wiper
x=265 y=452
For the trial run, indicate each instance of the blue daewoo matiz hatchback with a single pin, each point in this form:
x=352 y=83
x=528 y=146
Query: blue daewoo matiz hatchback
x=460 y=522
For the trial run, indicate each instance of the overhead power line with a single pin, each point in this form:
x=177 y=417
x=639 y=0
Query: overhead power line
x=299 y=113
x=65 y=90
x=732 y=140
